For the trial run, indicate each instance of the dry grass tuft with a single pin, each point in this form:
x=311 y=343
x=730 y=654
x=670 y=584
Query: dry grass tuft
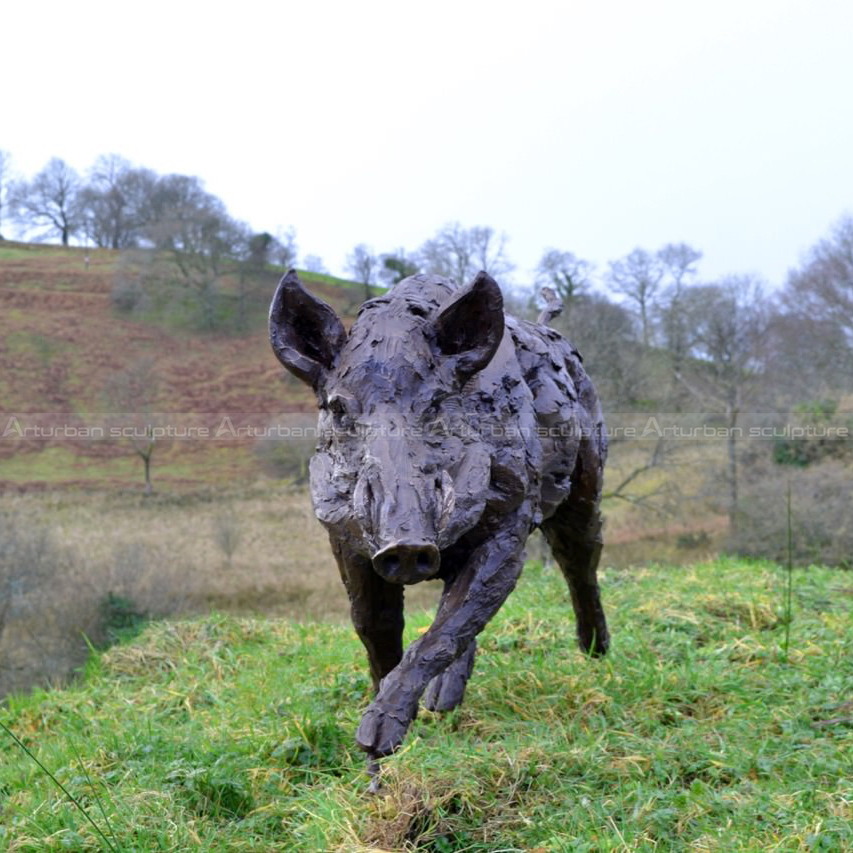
x=758 y=616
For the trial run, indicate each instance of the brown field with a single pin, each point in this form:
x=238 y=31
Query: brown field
x=60 y=342
x=252 y=549
x=257 y=549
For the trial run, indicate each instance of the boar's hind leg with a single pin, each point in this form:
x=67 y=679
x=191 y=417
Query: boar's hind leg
x=377 y=614
x=574 y=534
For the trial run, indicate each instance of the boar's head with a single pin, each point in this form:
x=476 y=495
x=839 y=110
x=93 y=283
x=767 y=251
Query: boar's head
x=399 y=472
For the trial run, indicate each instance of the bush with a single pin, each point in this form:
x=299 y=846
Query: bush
x=693 y=540
x=46 y=605
x=822 y=442
x=821 y=510
x=288 y=458
x=126 y=294
x=134 y=269
x=227 y=533
x=144 y=575
x=56 y=603
x=120 y=619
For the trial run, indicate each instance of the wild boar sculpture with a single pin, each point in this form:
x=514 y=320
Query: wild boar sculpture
x=449 y=431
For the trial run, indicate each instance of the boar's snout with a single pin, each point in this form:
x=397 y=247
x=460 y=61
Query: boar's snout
x=407 y=562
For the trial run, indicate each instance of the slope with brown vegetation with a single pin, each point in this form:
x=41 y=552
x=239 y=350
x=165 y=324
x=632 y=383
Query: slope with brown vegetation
x=62 y=342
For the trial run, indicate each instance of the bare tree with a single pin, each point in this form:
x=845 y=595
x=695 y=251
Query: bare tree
x=201 y=240
x=114 y=201
x=823 y=287
x=177 y=201
x=568 y=275
x=131 y=394
x=284 y=250
x=5 y=185
x=314 y=263
x=489 y=251
x=227 y=533
x=638 y=277
x=397 y=265
x=643 y=487
x=811 y=334
x=678 y=261
x=730 y=321
x=51 y=200
x=254 y=252
x=604 y=333
x=808 y=357
x=448 y=254
x=363 y=265
x=459 y=253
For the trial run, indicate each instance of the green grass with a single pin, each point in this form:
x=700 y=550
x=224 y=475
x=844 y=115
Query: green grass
x=12 y=253
x=236 y=735
x=62 y=463
x=57 y=465
x=14 y=249
x=174 y=307
x=324 y=278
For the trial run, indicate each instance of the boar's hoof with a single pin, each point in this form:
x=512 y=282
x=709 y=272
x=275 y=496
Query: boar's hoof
x=380 y=733
x=594 y=642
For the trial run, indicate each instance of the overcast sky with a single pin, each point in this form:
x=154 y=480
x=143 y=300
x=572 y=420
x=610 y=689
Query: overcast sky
x=589 y=126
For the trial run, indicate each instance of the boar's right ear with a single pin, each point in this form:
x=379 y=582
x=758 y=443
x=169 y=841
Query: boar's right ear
x=470 y=326
x=305 y=333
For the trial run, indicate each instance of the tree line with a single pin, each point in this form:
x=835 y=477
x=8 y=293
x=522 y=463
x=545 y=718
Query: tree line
x=117 y=205
x=730 y=353
x=743 y=357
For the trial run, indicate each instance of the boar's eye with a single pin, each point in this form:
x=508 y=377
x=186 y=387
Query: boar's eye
x=343 y=409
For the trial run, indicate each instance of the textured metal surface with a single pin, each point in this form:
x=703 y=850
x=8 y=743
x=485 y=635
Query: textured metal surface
x=449 y=431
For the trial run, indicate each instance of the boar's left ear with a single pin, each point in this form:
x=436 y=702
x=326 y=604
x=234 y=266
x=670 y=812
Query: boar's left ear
x=471 y=325
x=305 y=333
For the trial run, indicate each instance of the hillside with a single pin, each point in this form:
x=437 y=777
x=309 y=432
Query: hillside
x=62 y=341
x=226 y=734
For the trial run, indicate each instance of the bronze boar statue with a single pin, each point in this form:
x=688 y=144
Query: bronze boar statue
x=449 y=431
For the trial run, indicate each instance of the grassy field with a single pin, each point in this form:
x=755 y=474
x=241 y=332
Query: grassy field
x=696 y=733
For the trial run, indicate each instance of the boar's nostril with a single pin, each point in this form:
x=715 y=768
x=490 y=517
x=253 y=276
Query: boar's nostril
x=407 y=562
x=390 y=564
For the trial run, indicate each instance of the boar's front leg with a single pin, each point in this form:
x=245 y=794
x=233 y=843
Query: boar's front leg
x=447 y=689
x=476 y=594
x=376 y=607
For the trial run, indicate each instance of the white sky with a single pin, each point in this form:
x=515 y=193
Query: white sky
x=589 y=126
